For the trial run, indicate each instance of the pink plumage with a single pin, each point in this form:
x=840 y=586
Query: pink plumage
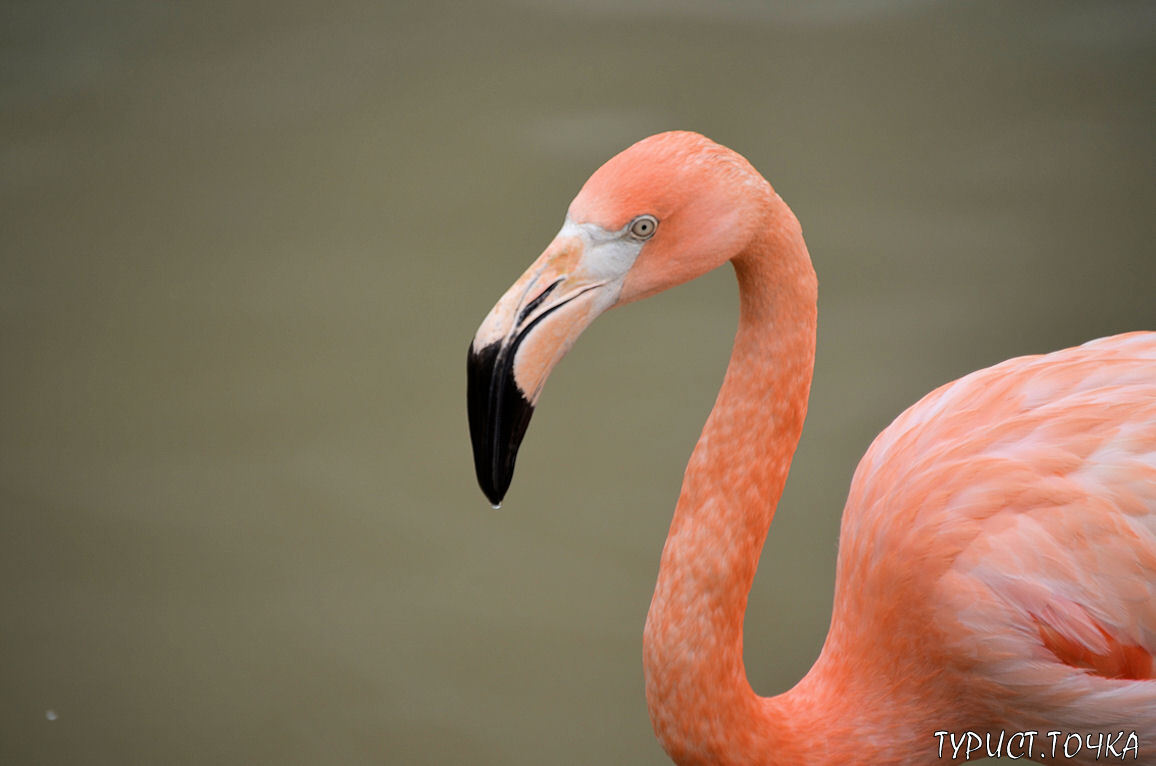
x=1013 y=515
x=997 y=561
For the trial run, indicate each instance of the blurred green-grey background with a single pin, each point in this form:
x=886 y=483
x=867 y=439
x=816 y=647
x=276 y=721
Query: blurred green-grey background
x=244 y=246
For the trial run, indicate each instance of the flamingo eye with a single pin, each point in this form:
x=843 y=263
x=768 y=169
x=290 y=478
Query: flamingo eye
x=643 y=227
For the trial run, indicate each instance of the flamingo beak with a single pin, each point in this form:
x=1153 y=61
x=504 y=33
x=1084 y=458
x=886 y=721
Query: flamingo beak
x=529 y=330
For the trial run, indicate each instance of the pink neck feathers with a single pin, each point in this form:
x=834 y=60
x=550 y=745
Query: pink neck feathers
x=701 y=705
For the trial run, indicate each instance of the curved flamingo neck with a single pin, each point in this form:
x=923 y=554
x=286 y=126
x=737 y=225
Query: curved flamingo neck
x=701 y=704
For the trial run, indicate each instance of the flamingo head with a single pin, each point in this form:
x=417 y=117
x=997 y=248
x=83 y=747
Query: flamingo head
x=664 y=211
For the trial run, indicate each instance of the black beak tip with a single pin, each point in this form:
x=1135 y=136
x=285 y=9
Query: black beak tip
x=498 y=413
x=493 y=492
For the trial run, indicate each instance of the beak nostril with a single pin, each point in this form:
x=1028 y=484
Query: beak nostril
x=525 y=312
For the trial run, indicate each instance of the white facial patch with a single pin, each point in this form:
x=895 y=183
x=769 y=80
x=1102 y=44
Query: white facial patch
x=607 y=255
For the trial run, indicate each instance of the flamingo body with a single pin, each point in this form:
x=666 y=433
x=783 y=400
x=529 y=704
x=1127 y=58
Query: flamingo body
x=997 y=560
x=999 y=544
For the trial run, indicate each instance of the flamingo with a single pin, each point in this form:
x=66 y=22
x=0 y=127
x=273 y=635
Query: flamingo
x=997 y=562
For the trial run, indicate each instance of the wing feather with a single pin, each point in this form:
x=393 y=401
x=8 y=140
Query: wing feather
x=1024 y=496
